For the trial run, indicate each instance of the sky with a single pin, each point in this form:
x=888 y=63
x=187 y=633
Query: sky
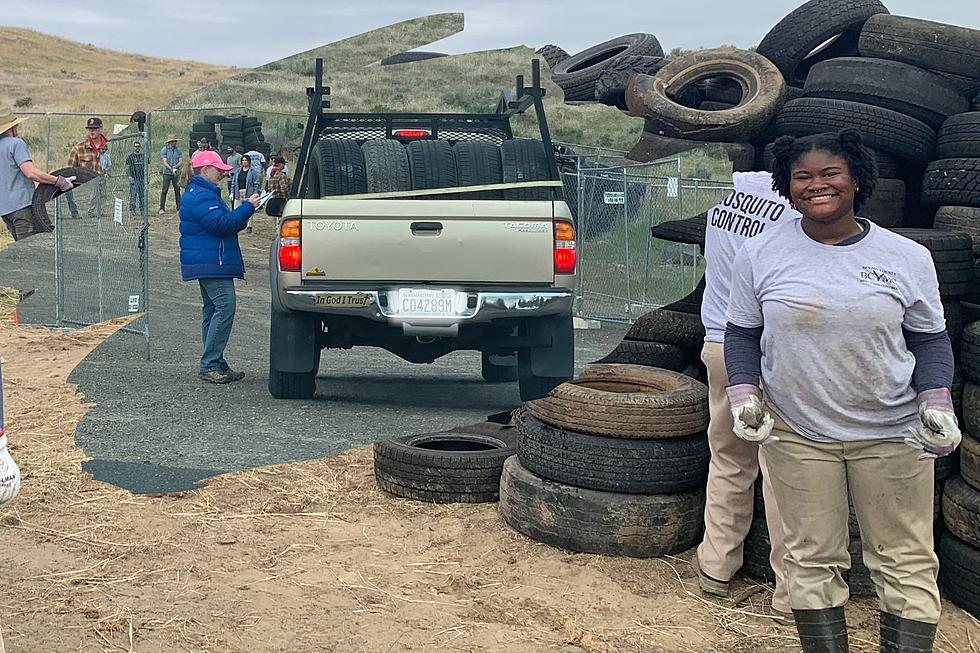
x=248 y=33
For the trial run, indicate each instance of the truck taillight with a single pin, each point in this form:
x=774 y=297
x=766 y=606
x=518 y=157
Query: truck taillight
x=411 y=133
x=564 y=247
x=290 y=246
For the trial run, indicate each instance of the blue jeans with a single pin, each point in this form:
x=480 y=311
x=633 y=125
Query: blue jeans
x=217 y=316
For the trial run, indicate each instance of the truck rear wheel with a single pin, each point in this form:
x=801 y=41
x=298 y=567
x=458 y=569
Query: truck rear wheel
x=291 y=385
x=294 y=355
x=541 y=369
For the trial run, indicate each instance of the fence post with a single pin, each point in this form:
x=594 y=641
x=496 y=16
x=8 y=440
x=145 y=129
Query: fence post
x=58 y=291
x=626 y=235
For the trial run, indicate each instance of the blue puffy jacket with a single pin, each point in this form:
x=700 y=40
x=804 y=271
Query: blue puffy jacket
x=209 y=233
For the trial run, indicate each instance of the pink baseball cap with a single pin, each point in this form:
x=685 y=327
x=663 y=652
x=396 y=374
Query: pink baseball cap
x=203 y=158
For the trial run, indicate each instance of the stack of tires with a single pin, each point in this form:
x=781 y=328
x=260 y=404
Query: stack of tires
x=613 y=462
x=959 y=543
x=205 y=130
x=244 y=133
x=348 y=167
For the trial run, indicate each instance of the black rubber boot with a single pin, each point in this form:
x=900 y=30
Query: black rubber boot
x=899 y=635
x=822 y=631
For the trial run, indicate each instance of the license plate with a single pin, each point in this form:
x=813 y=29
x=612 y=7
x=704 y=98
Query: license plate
x=357 y=300
x=429 y=303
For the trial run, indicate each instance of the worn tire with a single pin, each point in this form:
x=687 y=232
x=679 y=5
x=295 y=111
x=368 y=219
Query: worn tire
x=952 y=254
x=44 y=193
x=652 y=146
x=631 y=466
x=610 y=87
x=478 y=163
x=552 y=55
x=969 y=451
x=971 y=416
x=433 y=165
x=525 y=159
x=886 y=206
x=959 y=572
x=690 y=303
x=457 y=466
x=791 y=43
x=965 y=219
x=952 y=181
x=340 y=165
x=386 y=165
x=689 y=230
x=659 y=325
x=763 y=93
x=627 y=401
x=959 y=137
x=923 y=43
x=894 y=85
x=953 y=311
x=961 y=510
x=577 y=75
x=650 y=354
x=606 y=523
x=882 y=129
x=970 y=353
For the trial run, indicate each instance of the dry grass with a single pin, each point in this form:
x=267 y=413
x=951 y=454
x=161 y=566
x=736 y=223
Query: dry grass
x=62 y=75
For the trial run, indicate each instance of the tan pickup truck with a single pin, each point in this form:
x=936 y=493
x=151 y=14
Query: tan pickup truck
x=424 y=234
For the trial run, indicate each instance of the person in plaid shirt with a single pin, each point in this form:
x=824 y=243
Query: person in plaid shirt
x=93 y=154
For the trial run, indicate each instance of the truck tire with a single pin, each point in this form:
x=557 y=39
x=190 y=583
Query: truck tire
x=498 y=369
x=688 y=231
x=909 y=90
x=552 y=55
x=605 y=523
x=886 y=206
x=970 y=353
x=961 y=510
x=630 y=466
x=971 y=415
x=970 y=447
x=478 y=163
x=659 y=325
x=294 y=355
x=386 y=166
x=756 y=551
x=627 y=401
x=922 y=43
x=456 y=466
x=763 y=95
x=952 y=254
x=952 y=181
x=432 y=165
x=959 y=572
x=791 y=44
x=882 y=129
x=540 y=369
x=610 y=88
x=959 y=137
x=651 y=354
x=652 y=146
x=577 y=75
x=525 y=159
x=340 y=165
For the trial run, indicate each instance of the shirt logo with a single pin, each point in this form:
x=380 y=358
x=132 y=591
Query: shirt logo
x=879 y=277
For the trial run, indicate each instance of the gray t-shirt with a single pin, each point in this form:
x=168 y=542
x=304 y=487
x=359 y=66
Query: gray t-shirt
x=751 y=209
x=16 y=190
x=835 y=365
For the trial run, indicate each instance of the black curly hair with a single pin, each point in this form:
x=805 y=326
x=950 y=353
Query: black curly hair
x=847 y=144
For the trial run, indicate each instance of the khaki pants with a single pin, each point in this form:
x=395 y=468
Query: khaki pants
x=892 y=491
x=730 y=500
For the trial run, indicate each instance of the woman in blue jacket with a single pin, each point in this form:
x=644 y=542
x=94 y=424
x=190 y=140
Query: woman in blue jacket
x=209 y=254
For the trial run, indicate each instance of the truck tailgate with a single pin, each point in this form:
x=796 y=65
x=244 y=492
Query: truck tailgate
x=396 y=240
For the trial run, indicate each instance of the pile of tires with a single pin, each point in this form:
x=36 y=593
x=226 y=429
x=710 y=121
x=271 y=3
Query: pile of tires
x=959 y=543
x=461 y=465
x=613 y=462
x=244 y=133
x=349 y=167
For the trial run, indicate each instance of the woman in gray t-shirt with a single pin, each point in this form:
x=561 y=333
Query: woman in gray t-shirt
x=842 y=323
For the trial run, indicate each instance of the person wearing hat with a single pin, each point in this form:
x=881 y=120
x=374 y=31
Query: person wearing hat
x=17 y=176
x=172 y=157
x=210 y=255
x=92 y=154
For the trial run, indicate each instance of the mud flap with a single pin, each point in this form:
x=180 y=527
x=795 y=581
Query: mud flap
x=293 y=345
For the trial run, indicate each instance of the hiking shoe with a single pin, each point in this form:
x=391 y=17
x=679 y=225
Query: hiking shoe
x=710 y=585
x=233 y=375
x=215 y=376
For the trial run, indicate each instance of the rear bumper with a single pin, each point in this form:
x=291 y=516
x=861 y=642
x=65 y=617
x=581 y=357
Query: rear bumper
x=378 y=305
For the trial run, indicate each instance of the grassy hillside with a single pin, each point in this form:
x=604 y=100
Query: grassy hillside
x=467 y=82
x=48 y=73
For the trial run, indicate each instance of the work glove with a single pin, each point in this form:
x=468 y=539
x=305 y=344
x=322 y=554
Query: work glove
x=751 y=421
x=9 y=474
x=64 y=184
x=939 y=434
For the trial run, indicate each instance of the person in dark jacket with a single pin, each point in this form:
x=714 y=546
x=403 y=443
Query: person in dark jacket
x=210 y=255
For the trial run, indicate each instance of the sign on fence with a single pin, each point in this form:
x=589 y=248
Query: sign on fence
x=614 y=197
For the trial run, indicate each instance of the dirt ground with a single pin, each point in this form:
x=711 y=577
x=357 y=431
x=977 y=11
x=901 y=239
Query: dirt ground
x=313 y=557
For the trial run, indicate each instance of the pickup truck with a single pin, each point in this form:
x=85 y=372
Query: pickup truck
x=424 y=234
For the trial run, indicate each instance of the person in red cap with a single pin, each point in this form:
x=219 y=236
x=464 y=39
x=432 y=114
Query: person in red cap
x=92 y=153
x=210 y=255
